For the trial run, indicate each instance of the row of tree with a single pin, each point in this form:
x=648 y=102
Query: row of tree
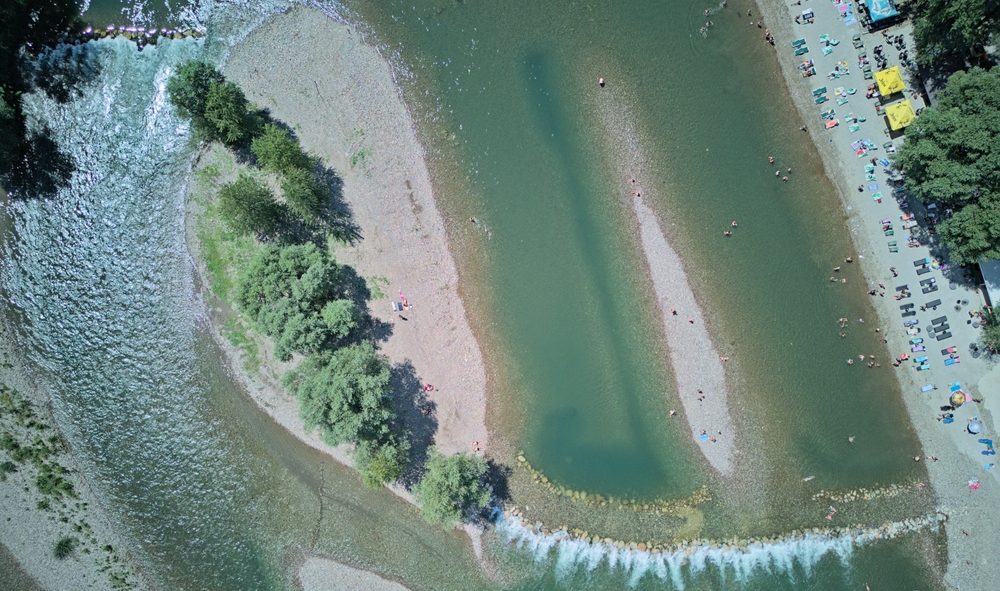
x=220 y=111
x=297 y=294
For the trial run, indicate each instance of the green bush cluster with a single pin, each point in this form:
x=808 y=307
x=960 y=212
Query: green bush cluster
x=297 y=294
x=64 y=547
x=217 y=108
x=453 y=487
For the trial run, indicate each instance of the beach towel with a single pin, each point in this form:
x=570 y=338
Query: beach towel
x=855 y=128
x=873 y=187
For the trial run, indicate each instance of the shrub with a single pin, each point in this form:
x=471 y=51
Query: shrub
x=452 y=487
x=344 y=395
x=303 y=194
x=381 y=464
x=276 y=150
x=248 y=207
x=285 y=289
x=65 y=547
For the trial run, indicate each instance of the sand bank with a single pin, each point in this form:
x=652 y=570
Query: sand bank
x=339 y=95
x=973 y=525
x=698 y=368
x=329 y=575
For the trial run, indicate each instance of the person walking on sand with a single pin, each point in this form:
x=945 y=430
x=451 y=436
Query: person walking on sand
x=770 y=159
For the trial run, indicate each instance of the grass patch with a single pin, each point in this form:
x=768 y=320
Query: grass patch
x=64 y=547
x=376 y=285
x=239 y=336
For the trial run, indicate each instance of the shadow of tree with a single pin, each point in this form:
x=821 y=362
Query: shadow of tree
x=498 y=477
x=38 y=169
x=62 y=71
x=416 y=414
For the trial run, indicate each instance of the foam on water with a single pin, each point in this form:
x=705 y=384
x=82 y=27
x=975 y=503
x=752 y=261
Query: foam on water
x=677 y=565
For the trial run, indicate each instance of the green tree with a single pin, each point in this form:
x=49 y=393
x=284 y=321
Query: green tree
x=284 y=289
x=952 y=151
x=304 y=196
x=188 y=89
x=989 y=338
x=340 y=317
x=946 y=30
x=380 y=464
x=973 y=232
x=344 y=395
x=226 y=113
x=952 y=156
x=452 y=488
x=249 y=207
x=276 y=150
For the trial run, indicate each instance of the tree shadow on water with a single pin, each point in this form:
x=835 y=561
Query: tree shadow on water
x=416 y=413
x=63 y=71
x=37 y=168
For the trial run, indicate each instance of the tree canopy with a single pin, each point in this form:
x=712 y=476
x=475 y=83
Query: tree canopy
x=286 y=289
x=343 y=394
x=188 y=89
x=947 y=30
x=381 y=463
x=303 y=194
x=249 y=207
x=452 y=488
x=952 y=156
x=217 y=108
x=226 y=113
x=277 y=151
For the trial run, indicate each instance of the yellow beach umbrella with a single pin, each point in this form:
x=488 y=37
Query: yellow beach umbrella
x=900 y=115
x=890 y=81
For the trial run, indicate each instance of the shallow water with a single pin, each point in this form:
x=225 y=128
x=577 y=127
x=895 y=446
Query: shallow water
x=216 y=496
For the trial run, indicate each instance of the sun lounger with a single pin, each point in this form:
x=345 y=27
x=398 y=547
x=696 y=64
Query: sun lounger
x=909 y=313
x=952 y=361
x=949 y=350
x=923 y=270
x=916 y=341
x=928 y=387
x=798 y=42
x=933 y=304
x=893 y=248
x=944 y=335
x=921 y=262
x=906 y=306
x=913 y=330
x=802 y=50
x=930 y=289
x=819 y=91
x=917 y=348
x=903 y=287
x=939 y=320
x=928 y=281
x=842 y=101
x=911 y=322
x=889 y=233
x=923 y=367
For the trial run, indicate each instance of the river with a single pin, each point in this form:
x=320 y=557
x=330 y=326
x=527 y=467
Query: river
x=215 y=496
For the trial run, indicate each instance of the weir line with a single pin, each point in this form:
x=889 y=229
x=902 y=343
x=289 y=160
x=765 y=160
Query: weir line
x=680 y=562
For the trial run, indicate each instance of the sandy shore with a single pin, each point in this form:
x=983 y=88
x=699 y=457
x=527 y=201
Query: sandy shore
x=697 y=367
x=330 y=575
x=973 y=528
